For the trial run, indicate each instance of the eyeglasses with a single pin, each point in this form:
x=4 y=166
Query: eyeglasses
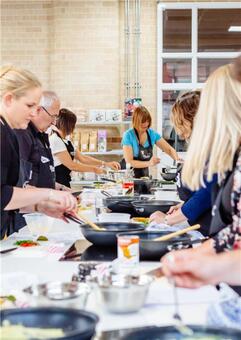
x=52 y=116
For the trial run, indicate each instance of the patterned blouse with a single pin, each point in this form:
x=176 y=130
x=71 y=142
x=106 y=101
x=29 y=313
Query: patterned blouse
x=230 y=237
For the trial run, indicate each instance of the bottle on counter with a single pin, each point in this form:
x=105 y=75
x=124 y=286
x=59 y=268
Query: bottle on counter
x=128 y=182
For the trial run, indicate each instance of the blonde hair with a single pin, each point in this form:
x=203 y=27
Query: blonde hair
x=140 y=116
x=183 y=113
x=217 y=130
x=16 y=80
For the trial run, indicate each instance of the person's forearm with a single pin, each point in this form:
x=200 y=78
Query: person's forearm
x=89 y=160
x=80 y=167
x=172 y=153
x=139 y=164
x=22 y=198
x=230 y=267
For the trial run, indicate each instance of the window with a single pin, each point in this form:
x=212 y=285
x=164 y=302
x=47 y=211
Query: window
x=193 y=40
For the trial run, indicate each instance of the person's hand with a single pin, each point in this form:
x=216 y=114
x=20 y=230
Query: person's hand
x=59 y=186
x=113 y=165
x=192 y=268
x=154 y=161
x=51 y=208
x=157 y=217
x=174 y=208
x=99 y=171
x=66 y=201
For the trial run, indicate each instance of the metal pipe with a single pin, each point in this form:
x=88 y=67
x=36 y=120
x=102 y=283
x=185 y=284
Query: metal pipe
x=127 y=49
x=137 y=33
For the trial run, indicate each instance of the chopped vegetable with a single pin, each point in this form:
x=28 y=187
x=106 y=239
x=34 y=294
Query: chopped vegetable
x=42 y=238
x=26 y=243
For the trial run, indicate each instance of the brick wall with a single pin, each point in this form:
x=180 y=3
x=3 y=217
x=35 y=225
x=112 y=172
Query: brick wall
x=76 y=47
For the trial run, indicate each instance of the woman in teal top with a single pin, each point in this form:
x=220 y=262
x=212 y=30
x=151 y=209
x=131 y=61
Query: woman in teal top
x=138 y=144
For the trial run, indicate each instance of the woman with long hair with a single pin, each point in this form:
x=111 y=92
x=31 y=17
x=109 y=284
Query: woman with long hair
x=20 y=93
x=215 y=148
x=65 y=154
x=196 y=205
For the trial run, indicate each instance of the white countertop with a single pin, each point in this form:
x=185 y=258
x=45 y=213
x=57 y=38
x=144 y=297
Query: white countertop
x=42 y=264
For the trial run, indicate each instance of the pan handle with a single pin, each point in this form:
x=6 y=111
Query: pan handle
x=105 y=193
x=185 y=244
x=74 y=218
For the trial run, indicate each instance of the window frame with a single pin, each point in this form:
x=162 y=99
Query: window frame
x=194 y=55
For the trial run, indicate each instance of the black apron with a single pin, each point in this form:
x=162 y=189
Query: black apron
x=145 y=154
x=61 y=171
x=7 y=224
x=39 y=169
x=222 y=210
x=46 y=171
x=185 y=194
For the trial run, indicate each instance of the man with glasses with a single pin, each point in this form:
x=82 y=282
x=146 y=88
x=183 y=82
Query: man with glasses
x=37 y=166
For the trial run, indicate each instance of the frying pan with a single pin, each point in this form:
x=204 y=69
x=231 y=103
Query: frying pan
x=108 y=236
x=105 y=237
x=171 y=332
x=171 y=176
x=153 y=250
x=146 y=208
x=76 y=324
x=122 y=204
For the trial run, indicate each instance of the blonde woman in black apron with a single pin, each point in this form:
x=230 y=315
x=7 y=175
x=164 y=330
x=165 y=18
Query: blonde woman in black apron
x=138 y=143
x=20 y=95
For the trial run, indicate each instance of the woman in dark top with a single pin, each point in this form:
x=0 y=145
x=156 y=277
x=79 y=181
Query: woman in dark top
x=196 y=207
x=217 y=135
x=20 y=95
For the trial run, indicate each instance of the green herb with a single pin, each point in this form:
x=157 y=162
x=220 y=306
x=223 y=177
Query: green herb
x=42 y=238
x=11 y=298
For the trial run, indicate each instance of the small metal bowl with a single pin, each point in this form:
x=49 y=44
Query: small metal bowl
x=72 y=294
x=125 y=297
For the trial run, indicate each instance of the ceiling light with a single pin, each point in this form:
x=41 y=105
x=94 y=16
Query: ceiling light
x=234 y=29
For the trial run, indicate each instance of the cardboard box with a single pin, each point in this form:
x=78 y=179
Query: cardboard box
x=97 y=116
x=102 y=140
x=113 y=115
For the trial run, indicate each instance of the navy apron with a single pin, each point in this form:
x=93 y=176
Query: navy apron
x=145 y=154
x=61 y=171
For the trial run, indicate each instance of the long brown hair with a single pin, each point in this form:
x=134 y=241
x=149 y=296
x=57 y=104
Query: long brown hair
x=66 y=121
x=140 y=116
x=183 y=113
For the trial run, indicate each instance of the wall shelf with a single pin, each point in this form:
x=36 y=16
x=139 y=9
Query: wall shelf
x=102 y=123
x=112 y=152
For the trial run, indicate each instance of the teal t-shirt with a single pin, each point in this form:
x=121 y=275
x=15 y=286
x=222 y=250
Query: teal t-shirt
x=130 y=139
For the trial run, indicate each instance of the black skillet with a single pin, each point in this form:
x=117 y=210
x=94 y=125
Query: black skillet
x=153 y=250
x=105 y=237
x=76 y=324
x=146 y=208
x=172 y=333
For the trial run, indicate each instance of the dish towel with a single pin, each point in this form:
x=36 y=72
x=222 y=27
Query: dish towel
x=164 y=227
x=226 y=312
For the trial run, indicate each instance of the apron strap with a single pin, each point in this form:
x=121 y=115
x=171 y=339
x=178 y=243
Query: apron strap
x=148 y=137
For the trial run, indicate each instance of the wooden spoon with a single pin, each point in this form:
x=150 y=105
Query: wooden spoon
x=91 y=224
x=80 y=219
x=176 y=233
